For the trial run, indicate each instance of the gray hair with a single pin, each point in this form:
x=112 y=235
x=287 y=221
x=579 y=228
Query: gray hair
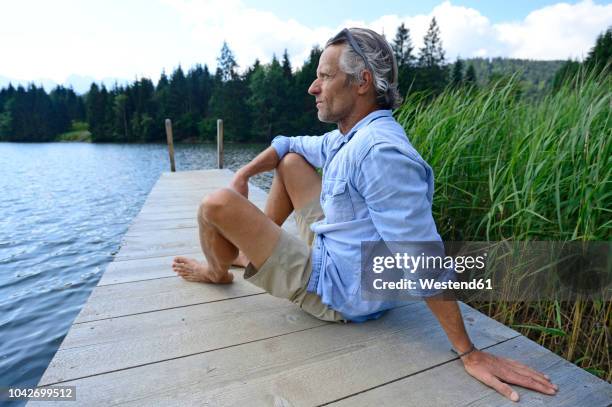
x=382 y=62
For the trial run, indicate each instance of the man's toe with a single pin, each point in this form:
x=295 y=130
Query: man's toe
x=180 y=259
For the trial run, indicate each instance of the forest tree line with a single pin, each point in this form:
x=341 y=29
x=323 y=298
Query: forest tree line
x=265 y=100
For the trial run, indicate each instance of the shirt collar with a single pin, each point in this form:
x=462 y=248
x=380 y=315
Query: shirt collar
x=364 y=122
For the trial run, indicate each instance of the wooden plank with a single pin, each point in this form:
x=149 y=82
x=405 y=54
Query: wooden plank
x=309 y=367
x=119 y=272
x=147 y=244
x=167 y=215
x=161 y=209
x=188 y=211
x=162 y=224
x=117 y=300
x=212 y=175
x=126 y=269
x=186 y=205
x=183 y=205
x=160 y=243
x=101 y=346
x=144 y=243
x=449 y=385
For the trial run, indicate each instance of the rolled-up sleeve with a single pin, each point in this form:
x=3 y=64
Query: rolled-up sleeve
x=312 y=148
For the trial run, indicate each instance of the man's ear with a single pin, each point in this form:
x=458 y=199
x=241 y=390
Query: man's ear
x=366 y=81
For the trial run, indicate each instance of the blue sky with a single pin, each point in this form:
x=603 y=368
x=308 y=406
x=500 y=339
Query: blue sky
x=128 y=39
x=336 y=11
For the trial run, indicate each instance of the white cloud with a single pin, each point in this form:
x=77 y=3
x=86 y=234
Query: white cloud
x=250 y=33
x=556 y=32
x=560 y=31
x=104 y=39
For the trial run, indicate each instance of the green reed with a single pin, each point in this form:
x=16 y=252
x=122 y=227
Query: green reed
x=509 y=168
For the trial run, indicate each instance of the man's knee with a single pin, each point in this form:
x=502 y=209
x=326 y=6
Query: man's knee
x=292 y=161
x=214 y=205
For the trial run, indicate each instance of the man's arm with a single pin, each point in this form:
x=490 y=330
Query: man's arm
x=312 y=148
x=490 y=369
x=267 y=160
x=389 y=180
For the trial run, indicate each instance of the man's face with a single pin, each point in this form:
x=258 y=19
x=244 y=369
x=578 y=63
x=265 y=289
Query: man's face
x=335 y=99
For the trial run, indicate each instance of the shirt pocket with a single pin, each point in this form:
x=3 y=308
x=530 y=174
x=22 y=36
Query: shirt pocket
x=338 y=205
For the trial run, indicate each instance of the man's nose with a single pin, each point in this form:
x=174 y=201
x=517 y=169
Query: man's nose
x=314 y=87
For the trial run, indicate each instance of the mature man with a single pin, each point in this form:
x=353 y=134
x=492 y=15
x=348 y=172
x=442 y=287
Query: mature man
x=374 y=186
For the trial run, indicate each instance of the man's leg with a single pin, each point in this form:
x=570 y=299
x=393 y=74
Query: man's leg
x=229 y=222
x=295 y=184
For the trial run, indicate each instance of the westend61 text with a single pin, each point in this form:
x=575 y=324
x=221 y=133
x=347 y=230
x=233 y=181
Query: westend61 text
x=432 y=283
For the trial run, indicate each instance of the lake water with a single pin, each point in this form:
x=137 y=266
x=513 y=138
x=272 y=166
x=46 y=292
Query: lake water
x=64 y=208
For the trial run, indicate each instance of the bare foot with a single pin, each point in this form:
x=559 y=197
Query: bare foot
x=194 y=271
x=241 y=260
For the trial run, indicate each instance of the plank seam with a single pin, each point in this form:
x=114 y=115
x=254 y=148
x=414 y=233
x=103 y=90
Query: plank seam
x=127 y=234
x=411 y=374
x=185 y=356
x=164 y=309
x=135 y=281
x=117 y=258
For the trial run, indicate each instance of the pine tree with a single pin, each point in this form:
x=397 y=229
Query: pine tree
x=120 y=111
x=291 y=95
x=178 y=93
x=228 y=101
x=161 y=100
x=177 y=106
x=141 y=97
x=457 y=75
x=226 y=64
x=402 y=47
x=286 y=65
x=268 y=101
x=431 y=74
x=432 y=54
x=60 y=99
x=6 y=119
x=163 y=81
x=470 y=76
x=600 y=55
x=96 y=113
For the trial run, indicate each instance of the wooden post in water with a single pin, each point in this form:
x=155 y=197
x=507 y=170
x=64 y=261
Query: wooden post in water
x=170 y=144
x=219 y=143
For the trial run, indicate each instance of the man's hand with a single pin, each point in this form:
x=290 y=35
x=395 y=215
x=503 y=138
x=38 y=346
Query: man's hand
x=267 y=160
x=494 y=370
x=240 y=184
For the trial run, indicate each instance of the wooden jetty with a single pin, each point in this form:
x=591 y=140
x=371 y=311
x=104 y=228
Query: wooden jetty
x=146 y=337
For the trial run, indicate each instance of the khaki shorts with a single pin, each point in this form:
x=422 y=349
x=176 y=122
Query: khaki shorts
x=286 y=272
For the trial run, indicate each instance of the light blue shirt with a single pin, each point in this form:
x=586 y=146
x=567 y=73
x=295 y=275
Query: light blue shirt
x=375 y=186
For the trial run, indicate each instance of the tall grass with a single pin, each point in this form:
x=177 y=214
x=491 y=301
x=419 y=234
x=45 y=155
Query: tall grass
x=507 y=168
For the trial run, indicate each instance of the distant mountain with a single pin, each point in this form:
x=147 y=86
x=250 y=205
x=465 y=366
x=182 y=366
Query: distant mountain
x=48 y=84
x=537 y=76
x=79 y=83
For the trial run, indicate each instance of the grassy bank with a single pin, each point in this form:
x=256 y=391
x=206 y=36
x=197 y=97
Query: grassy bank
x=78 y=132
x=506 y=168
